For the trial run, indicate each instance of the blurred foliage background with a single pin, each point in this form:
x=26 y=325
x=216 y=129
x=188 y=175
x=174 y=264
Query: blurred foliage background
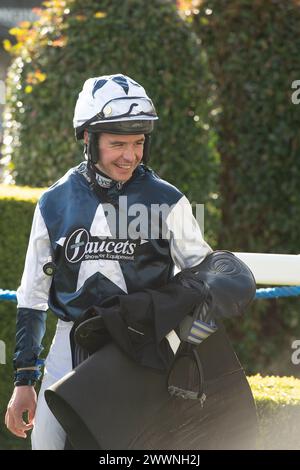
x=74 y=40
x=220 y=73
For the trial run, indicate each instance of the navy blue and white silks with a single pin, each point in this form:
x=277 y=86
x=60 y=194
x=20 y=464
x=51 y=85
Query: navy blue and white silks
x=92 y=263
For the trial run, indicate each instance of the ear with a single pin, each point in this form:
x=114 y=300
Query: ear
x=85 y=136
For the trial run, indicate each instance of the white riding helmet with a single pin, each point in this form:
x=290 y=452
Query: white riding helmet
x=115 y=104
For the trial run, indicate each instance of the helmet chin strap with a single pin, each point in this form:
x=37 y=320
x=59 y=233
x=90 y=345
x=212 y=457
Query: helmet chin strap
x=93 y=147
x=95 y=185
x=146 y=152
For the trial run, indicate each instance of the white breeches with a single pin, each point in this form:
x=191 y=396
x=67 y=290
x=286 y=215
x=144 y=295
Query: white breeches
x=47 y=433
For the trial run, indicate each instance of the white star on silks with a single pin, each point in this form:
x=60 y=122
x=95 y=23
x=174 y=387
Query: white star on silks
x=109 y=268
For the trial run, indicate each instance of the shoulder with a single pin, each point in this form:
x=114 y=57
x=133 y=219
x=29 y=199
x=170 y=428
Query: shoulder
x=61 y=189
x=159 y=188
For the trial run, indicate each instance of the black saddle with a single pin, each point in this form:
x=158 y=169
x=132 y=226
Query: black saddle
x=111 y=402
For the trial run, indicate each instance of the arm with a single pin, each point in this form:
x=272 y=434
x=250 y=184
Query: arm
x=187 y=245
x=228 y=284
x=32 y=298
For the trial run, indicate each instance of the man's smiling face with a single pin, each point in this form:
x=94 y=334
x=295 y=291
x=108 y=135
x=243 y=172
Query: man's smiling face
x=120 y=155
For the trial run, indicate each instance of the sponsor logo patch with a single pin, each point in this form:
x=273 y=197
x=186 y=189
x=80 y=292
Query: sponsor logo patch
x=80 y=245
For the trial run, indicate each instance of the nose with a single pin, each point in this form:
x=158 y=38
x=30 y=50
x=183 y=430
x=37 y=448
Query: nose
x=129 y=154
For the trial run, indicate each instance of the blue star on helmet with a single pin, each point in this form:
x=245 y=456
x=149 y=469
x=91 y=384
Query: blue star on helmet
x=119 y=80
x=97 y=85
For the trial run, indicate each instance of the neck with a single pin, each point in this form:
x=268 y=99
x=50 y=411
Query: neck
x=102 y=179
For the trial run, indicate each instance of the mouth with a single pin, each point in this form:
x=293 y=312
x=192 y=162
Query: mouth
x=123 y=167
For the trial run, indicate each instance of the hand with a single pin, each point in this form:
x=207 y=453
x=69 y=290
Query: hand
x=23 y=400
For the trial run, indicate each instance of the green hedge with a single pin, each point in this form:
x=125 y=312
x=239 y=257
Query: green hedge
x=253 y=56
x=16 y=212
x=73 y=41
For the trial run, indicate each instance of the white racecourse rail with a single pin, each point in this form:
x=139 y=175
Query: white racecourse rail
x=273 y=269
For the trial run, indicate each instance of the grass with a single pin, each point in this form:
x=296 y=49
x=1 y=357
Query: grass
x=278 y=407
